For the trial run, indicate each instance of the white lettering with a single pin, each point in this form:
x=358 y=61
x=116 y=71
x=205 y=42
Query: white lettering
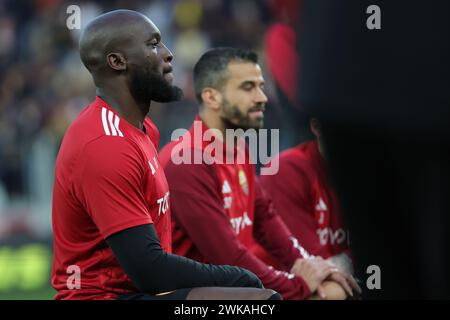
x=163 y=204
x=74 y=20
x=74 y=280
x=374 y=20
x=374 y=281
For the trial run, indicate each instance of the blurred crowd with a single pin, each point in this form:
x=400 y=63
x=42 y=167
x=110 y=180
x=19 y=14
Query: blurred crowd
x=44 y=86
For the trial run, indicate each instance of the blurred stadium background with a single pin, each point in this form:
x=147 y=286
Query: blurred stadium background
x=43 y=87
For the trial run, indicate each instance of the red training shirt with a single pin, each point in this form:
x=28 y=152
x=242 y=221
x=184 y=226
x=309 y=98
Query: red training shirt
x=107 y=179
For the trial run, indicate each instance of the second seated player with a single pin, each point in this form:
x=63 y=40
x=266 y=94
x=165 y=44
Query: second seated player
x=219 y=209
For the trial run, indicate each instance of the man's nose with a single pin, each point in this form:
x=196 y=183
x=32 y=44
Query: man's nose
x=168 y=56
x=260 y=96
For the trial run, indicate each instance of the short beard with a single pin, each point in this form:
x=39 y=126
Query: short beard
x=232 y=112
x=147 y=85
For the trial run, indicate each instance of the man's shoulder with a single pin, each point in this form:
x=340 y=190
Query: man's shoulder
x=296 y=157
x=89 y=125
x=294 y=165
x=299 y=152
x=91 y=134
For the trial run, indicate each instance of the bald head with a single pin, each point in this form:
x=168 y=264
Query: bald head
x=125 y=54
x=113 y=32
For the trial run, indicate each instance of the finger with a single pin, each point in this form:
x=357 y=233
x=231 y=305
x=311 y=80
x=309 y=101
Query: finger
x=324 y=264
x=321 y=292
x=339 y=278
x=325 y=273
x=354 y=284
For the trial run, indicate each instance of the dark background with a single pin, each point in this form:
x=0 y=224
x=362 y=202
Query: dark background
x=383 y=98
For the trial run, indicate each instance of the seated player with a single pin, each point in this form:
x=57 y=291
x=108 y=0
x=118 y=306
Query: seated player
x=306 y=201
x=111 y=207
x=219 y=209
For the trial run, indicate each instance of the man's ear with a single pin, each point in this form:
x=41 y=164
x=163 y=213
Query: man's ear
x=211 y=98
x=116 y=61
x=315 y=127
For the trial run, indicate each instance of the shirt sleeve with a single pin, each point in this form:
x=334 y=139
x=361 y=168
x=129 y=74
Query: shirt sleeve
x=292 y=196
x=197 y=208
x=272 y=233
x=109 y=184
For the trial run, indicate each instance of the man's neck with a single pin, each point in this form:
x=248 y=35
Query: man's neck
x=321 y=149
x=213 y=121
x=125 y=105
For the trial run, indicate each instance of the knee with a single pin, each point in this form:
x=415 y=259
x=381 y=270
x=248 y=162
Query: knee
x=275 y=296
x=269 y=294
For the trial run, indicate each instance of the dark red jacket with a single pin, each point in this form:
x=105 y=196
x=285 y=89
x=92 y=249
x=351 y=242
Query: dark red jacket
x=219 y=213
x=306 y=201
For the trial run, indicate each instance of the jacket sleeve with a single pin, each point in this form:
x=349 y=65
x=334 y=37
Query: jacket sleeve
x=197 y=207
x=272 y=233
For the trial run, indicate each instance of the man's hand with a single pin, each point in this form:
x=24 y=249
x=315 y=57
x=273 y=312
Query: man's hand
x=313 y=271
x=338 y=285
x=346 y=281
x=329 y=290
x=343 y=262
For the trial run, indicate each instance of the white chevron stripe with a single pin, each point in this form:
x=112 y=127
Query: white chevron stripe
x=111 y=124
x=105 y=124
x=116 y=125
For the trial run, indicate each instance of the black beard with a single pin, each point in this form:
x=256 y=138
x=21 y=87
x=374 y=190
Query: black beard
x=233 y=112
x=147 y=85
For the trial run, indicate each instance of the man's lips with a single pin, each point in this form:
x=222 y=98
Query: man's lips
x=168 y=69
x=167 y=74
x=258 y=112
x=257 y=108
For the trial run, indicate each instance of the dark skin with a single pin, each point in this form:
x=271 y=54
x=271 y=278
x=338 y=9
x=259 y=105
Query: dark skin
x=129 y=63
